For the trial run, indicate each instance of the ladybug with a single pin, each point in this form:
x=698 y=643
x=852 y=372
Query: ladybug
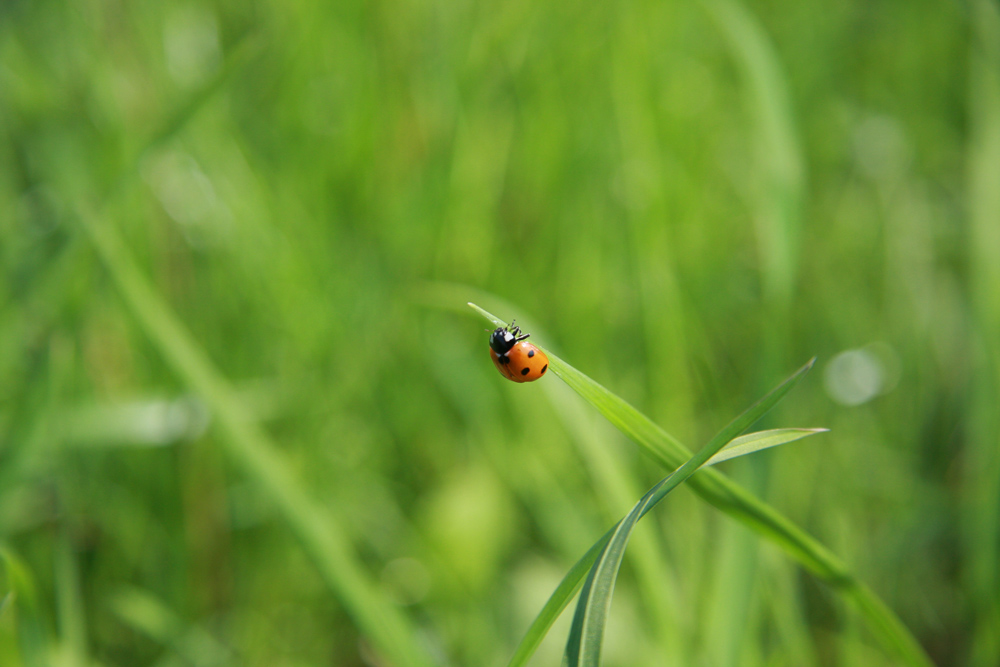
x=515 y=359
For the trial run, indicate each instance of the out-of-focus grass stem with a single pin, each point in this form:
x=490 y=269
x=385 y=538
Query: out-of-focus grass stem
x=982 y=455
x=250 y=447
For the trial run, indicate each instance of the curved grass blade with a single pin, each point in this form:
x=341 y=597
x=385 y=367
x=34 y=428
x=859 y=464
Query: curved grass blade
x=567 y=588
x=755 y=442
x=33 y=637
x=583 y=649
x=734 y=500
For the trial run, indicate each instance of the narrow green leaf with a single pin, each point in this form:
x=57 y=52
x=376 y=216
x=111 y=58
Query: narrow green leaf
x=980 y=487
x=33 y=636
x=587 y=633
x=554 y=606
x=734 y=500
x=69 y=600
x=490 y=316
x=754 y=442
x=780 y=174
x=147 y=614
x=245 y=49
x=567 y=588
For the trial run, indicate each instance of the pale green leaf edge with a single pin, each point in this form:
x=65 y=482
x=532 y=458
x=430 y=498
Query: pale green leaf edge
x=761 y=440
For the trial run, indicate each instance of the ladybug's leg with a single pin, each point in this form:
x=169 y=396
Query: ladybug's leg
x=516 y=330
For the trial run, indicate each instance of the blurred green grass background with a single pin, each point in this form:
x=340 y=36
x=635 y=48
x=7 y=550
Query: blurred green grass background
x=686 y=201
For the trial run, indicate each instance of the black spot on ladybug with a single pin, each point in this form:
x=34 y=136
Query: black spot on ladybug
x=544 y=368
x=525 y=370
x=531 y=353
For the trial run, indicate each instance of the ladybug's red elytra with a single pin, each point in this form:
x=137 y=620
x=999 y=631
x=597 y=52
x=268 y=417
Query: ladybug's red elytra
x=514 y=358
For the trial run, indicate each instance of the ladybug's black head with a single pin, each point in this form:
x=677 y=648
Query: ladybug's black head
x=502 y=340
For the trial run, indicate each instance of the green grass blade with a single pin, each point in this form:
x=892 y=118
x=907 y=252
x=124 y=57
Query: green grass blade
x=69 y=600
x=614 y=481
x=246 y=48
x=981 y=480
x=583 y=648
x=554 y=606
x=145 y=613
x=21 y=594
x=779 y=191
x=249 y=446
x=626 y=418
x=754 y=442
x=490 y=316
x=567 y=588
x=734 y=500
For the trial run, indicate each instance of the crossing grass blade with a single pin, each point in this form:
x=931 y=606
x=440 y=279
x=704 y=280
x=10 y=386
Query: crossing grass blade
x=567 y=588
x=728 y=496
x=583 y=649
